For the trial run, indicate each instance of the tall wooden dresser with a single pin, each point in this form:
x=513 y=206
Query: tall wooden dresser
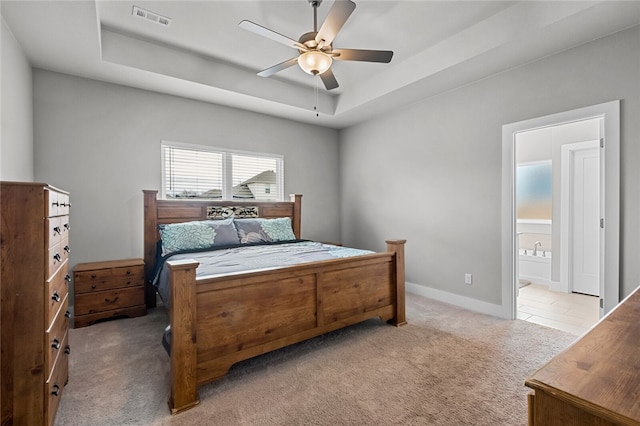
x=34 y=294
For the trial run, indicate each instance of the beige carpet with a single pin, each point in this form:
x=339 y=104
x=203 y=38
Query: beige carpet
x=448 y=366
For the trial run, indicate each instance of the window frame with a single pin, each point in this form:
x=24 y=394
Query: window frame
x=227 y=170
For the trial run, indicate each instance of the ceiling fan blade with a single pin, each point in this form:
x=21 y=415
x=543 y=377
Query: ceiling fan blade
x=276 y=68
x=266 y=32
x=363 y=55
x=338 y=15
x=329 y=80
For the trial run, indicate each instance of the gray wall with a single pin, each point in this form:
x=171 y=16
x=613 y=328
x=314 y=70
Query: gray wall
x=431 y=173
x=16 y=139
x=101 y=142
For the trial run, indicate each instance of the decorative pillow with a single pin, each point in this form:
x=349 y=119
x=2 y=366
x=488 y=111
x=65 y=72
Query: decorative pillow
x=264 y=230
x=197 y=235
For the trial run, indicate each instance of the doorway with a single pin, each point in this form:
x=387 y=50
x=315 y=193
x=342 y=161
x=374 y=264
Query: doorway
x=557 y=189
x=608 y=246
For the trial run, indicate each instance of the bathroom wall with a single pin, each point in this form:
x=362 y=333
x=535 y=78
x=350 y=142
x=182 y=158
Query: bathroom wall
x=532 y=149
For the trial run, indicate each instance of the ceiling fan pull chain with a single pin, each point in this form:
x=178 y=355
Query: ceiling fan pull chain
x=315 y=93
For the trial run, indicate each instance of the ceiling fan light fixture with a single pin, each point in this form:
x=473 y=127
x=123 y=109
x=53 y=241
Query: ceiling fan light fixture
x=314 y=62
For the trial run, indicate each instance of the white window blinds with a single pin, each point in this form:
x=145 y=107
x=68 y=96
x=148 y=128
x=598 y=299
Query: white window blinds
x=204 y=172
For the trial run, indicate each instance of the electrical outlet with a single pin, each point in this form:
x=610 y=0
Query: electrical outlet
x=468 y=279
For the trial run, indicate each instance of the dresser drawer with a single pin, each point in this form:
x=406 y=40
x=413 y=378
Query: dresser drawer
x=57 y=380
x=89 y=303
x=57 y=289
x=54 y=225
x=58 y=204
x=54 y=337
x=58 y=254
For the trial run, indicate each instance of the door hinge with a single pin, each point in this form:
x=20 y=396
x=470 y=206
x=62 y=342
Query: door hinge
x=601 y=142
x=602 y=223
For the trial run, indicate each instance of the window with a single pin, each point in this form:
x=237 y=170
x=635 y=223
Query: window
x=190 y=171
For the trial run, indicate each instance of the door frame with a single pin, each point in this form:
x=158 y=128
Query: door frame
x=610 y=178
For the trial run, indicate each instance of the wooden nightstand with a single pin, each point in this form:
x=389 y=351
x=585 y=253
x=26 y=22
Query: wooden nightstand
x=108 y=289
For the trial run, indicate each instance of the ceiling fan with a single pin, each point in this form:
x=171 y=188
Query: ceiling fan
x=316 y=48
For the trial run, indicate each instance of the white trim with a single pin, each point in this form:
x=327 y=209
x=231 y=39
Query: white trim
x=610 y=272
x=534 y=221
x=455 y=299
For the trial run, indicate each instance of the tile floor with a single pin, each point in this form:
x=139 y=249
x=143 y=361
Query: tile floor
x=573 y=313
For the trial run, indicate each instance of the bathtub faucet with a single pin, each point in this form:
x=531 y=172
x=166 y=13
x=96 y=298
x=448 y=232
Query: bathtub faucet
x=535 y=247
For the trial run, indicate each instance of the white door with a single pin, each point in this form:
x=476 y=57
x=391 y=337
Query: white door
x=585 y=229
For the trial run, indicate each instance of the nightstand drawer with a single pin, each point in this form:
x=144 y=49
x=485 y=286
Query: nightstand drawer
x=106 y=279
x=90 y=303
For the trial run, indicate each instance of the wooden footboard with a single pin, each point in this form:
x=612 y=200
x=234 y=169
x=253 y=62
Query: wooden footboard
x=216 y=322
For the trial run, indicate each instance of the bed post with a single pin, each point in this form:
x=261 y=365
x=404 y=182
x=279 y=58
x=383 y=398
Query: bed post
x=182 y=315
x=150 y=239
x=297 y=210
x=397 y=246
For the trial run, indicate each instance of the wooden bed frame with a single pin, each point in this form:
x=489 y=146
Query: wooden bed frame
x=218 y=321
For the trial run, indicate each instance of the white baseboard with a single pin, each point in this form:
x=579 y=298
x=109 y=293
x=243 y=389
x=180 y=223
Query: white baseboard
x=456 y=299
x=537 y=280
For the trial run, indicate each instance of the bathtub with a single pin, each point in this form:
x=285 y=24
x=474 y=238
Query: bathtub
x=536 y=269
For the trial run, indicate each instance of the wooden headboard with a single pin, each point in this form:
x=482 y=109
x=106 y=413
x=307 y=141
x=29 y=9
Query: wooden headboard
x=158 y=212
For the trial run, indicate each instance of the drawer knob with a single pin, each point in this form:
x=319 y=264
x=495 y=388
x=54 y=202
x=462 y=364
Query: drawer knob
x=115 y=299
x=67 y=314
x=67 y=249
x=67 y=350
x=57 y=257
x=67 y=278
x=57 y=229
x=56 y=390
x=55 y=296
x=55 y=203
x=93 y=286
x=66 y=225
x=93 y=276
x=55 y=344
x=128 y=272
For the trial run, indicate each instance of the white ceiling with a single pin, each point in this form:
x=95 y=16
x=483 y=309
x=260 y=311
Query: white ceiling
x=205 y=55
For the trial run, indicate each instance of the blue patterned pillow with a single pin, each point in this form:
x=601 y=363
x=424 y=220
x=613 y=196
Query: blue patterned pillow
x=197 y=235
x=264 y=230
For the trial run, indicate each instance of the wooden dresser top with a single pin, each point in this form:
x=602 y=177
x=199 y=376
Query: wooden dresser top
x=600 y=372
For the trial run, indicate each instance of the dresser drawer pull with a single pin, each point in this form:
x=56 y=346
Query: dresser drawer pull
x=55 y=296
x=67 y=350
x=67 y=278
x=57 y=257
x=128 y=272
x=66 y=225
x=56 y=390
x=55 y=344
x=93 y=286
x=67 y=314
x=115 y=299
x=57 y=229
x=67 y=249
x=55 y=203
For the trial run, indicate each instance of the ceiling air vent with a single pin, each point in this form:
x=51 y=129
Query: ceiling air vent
x=151 y=16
